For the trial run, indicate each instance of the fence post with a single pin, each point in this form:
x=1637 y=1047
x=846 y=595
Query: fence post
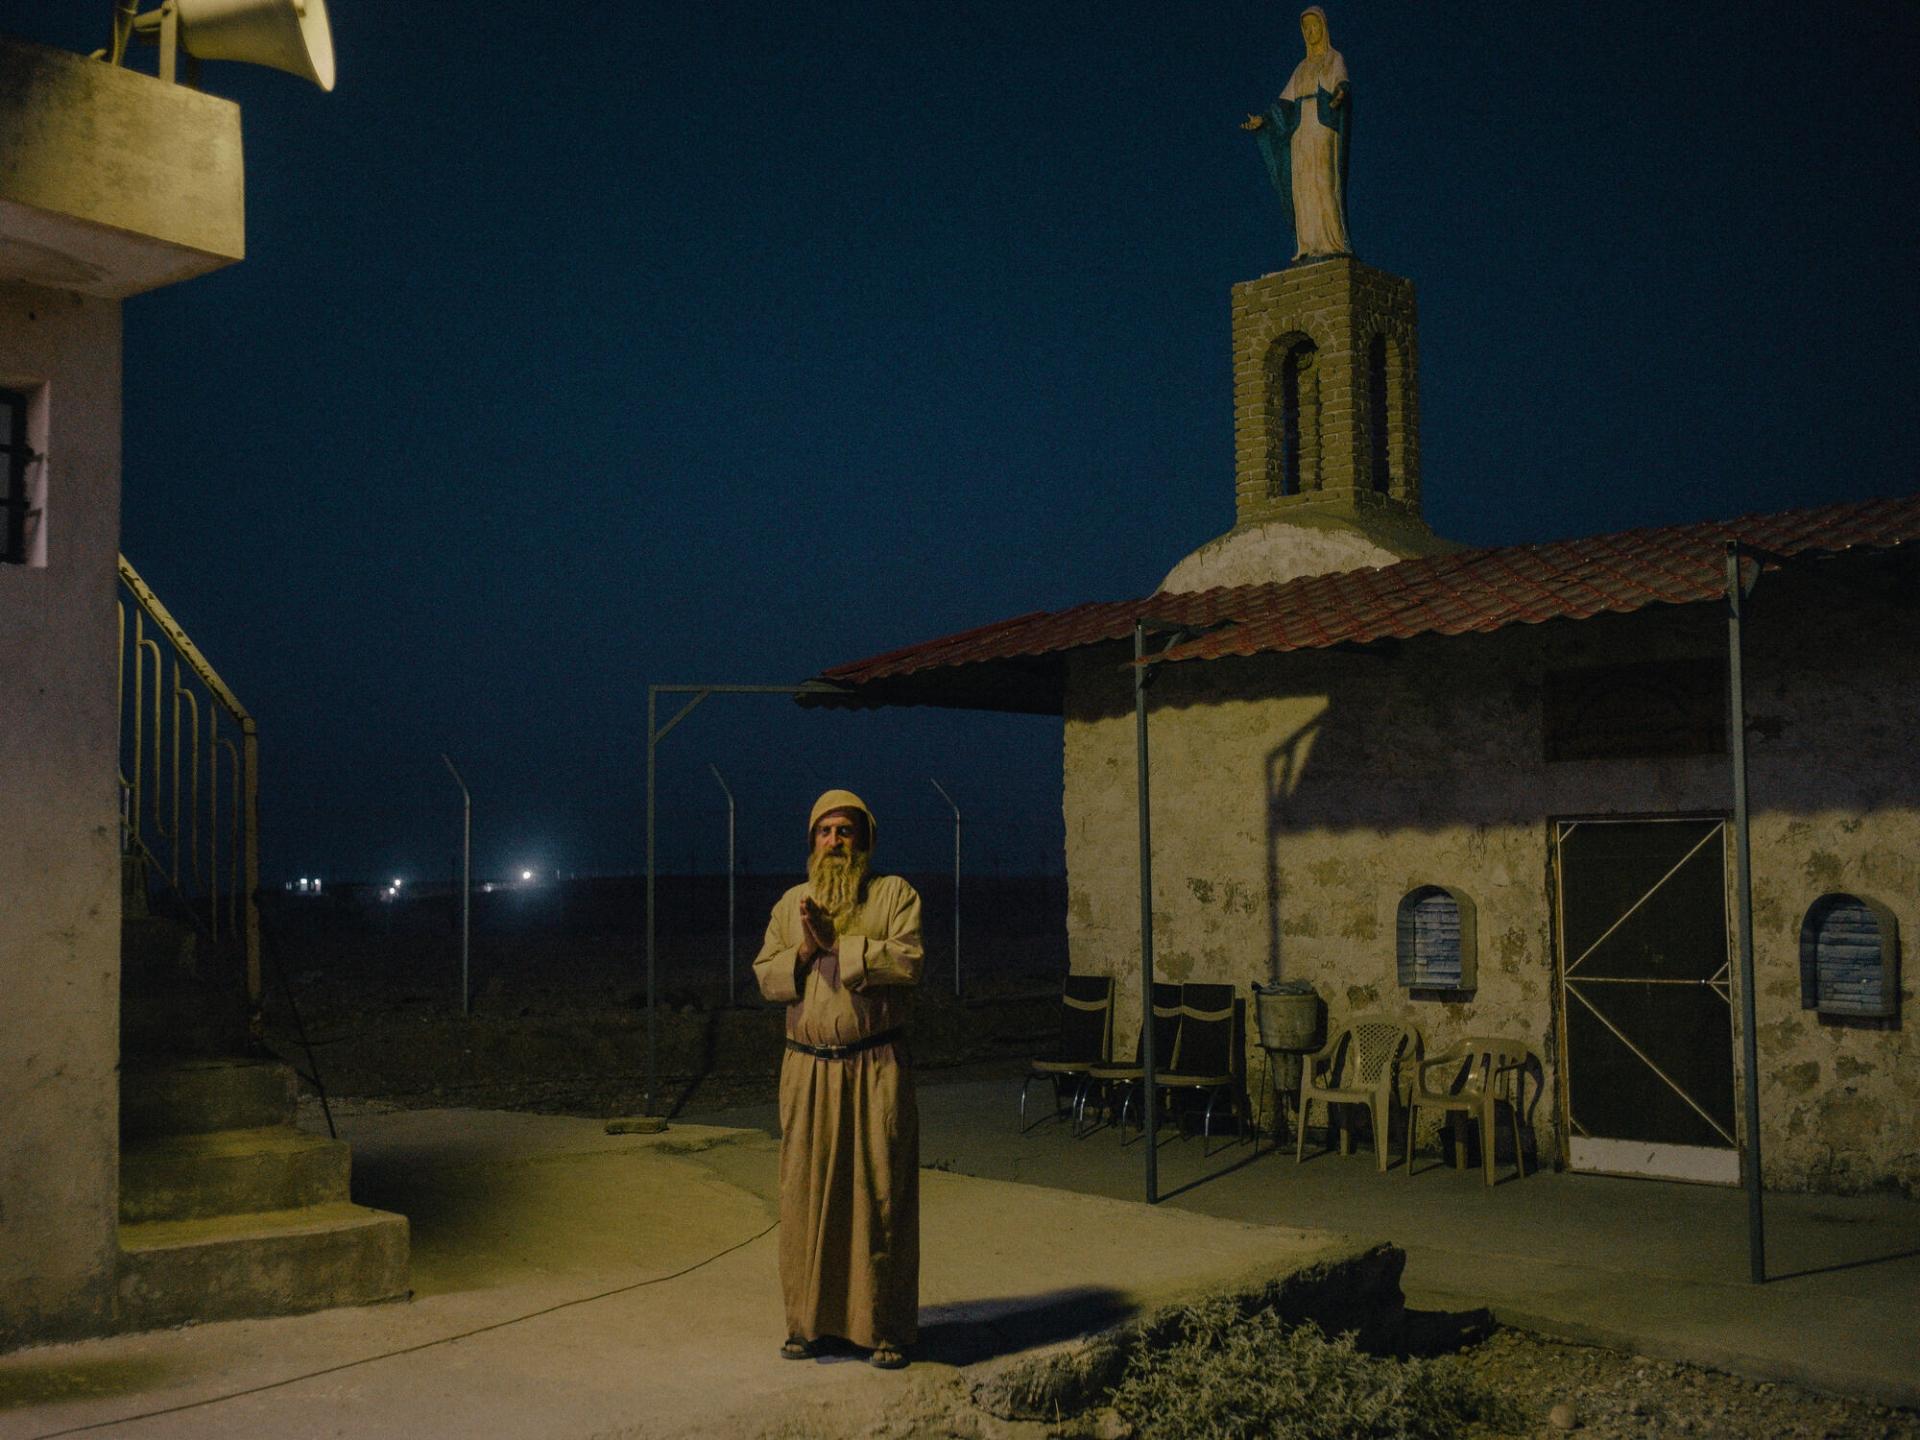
x=466 y=880
x=956 y=884
x=732 y=948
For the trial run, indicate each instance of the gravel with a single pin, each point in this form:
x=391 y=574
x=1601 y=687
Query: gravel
x=1557 y=1389
x=1600 y=1394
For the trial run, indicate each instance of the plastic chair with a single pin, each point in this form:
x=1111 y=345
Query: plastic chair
x=1126 y=1077
x=1086 y=1040
x=1359 y=1066
x=1209 y=1054
x=1479 y=1067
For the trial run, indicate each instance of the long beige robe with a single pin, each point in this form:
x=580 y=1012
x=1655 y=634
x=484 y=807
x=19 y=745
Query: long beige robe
x=849 y=1130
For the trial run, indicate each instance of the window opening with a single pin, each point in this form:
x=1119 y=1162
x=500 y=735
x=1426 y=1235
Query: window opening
x=1644 y=709
x=1434 y=943
x=1848 y=950
x=1290 y=410
x=1290 y=424
x=15 y=457
x=1377 y=413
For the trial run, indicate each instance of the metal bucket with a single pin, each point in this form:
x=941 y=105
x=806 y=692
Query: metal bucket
x=1288 y=1015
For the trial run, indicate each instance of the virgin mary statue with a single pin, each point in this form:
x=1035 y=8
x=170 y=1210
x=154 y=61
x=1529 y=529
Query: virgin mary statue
x=1303 y=138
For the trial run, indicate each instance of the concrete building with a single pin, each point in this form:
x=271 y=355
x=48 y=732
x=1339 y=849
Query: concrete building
x=1489 y=791
x=112 y=183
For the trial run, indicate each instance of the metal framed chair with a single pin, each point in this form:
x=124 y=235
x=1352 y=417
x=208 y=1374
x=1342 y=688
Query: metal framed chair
x=1477 y=1070
x=1209 y=1055
x=1362 y=1065
x=1120 y=1080
x=1086 y=1040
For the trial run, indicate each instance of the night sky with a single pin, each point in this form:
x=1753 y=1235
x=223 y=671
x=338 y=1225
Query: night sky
x=583 y=346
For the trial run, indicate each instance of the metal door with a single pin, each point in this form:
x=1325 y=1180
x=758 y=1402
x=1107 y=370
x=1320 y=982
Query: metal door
x=1646 y=997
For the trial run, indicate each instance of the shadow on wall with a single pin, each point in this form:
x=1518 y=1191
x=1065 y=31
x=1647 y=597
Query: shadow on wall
x=1286 y=766
x=1427 y=754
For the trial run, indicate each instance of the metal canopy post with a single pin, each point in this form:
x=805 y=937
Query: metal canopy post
x=956 y=883
x=1149 y=1109
x=1149 y=1072
x=466 y=880
x=731 y=952
x=1743 y=872
x=657 y=732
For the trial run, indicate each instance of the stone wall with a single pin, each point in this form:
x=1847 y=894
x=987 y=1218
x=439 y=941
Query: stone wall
x=59 y=833
x=1297 y=798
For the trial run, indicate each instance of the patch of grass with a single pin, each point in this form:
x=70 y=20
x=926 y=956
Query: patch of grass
x=1230 y=1375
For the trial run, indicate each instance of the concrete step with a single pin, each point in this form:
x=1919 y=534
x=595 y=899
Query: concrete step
x=278 y=1262
x=196 y=1097
x=230 y=1172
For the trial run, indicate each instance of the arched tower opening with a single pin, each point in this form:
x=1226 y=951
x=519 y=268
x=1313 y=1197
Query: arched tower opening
x=1326 y=401
x=1379 y=461
x=1293 y=416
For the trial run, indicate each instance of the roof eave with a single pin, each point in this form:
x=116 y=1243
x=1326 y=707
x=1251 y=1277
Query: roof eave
x=1024 y=685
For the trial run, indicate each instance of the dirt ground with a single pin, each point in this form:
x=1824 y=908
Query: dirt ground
x=558 y=1025
x=1611 y=1396
x=367 y=996
x=561 y=1051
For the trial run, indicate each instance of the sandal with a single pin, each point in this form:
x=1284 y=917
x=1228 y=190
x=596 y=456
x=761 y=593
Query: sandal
x=885 y=1357
x=794 y=1348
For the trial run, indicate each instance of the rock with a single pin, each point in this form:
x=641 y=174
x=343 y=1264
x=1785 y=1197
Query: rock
x=636 y=1125
x=1110 y=1424
x=1561 y=1417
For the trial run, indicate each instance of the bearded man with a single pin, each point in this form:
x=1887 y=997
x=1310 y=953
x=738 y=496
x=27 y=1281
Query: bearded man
x=843 y=952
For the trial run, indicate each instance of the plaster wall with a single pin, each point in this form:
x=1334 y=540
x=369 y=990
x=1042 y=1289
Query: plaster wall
x=1297 y=798
x=59 y=843
x=113 y=182
x=1274 y=550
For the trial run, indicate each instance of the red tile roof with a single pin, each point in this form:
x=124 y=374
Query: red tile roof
x=1015 y=664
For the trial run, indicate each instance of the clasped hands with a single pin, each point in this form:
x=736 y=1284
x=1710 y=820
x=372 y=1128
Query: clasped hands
x=816 y=931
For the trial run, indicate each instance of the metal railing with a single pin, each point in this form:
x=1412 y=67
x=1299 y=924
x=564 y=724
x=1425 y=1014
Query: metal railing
x=189 y=773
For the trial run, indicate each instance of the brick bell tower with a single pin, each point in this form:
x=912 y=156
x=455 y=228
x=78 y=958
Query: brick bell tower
x=1326 y=423
x=1326 y=395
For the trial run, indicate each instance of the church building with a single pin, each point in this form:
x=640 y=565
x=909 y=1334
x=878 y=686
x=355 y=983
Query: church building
x=1489 y=792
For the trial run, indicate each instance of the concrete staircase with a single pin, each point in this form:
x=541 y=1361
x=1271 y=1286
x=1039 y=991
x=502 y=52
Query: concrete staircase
x=227 y=1210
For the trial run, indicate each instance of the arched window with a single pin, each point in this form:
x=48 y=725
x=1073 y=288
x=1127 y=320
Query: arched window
x=1377 y=414
x=1849 y=951
x=1434 y=945
x=1293 y=417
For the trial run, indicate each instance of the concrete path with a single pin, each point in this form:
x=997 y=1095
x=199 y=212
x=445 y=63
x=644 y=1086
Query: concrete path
x=574 y=1284
x=569 y=1283
x=1649 y=1266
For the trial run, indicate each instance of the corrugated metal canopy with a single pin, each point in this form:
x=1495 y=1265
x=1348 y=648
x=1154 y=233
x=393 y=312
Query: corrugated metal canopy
x=1019 y=664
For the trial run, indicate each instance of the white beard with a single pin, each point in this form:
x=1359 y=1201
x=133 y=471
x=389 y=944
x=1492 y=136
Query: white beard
x=837 y=882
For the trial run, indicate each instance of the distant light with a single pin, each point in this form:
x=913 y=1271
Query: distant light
x=397 y=882
x=488 y=887
x=526 y=874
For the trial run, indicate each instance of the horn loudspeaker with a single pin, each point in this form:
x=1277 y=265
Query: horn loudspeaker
x=290 y=35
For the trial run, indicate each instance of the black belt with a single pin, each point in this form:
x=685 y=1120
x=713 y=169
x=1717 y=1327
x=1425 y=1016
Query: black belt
x=841 y=1052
